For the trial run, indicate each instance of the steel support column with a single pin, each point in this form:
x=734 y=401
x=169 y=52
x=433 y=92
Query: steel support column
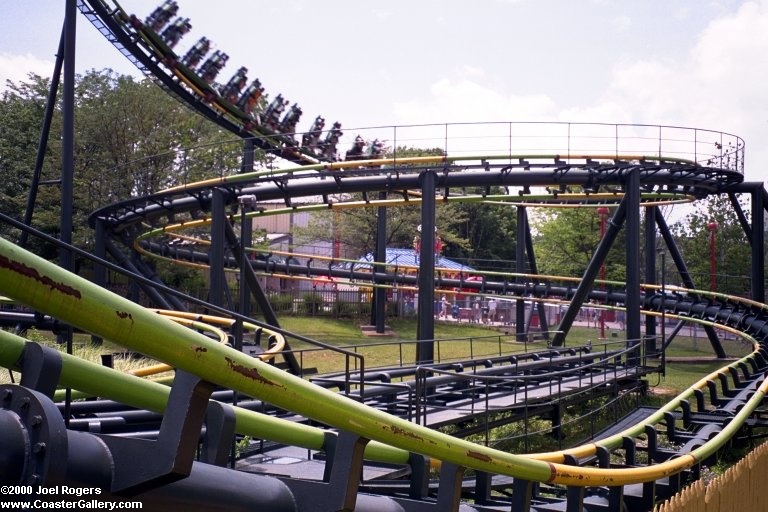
x=50 y=106
x=246 y=238
x=244 y=296
x=66 y=258
x=425 y=334
x=534 y=269
x=379 y=310
x=68 y=134
x=520 y=326
x=125 y=261
x=758 y=244
x=632 y=200
x=251 y=282
x=650 y=261
x=216 y=280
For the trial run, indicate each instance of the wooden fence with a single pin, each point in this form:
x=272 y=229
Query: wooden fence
x=739 y=489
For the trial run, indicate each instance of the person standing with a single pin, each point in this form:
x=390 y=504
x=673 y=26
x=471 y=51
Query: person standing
x=476 y=311
x=492 y=310
x=443 y=307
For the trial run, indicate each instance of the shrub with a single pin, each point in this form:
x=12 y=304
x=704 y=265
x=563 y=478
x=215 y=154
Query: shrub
x=313 y=303
x=282 y=303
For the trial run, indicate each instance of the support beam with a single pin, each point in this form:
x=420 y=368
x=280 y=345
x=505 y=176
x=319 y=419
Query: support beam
x=588 y=279
x=146 y=270
x=520 y=326
x=246 y=231
x=534 y=269
x=379 y=309
x=216 y=281
x=758 y=244
x=425 y=349
x=740 y=214
x=66 y=259
x=632 y=199
x=650 y=261
x=252 y=283
x=50 y=107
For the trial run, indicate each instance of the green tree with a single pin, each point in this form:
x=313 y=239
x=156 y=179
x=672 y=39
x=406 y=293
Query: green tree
x=486 y=233
x=131 y=139
x=732 y=251
x=566 y=239
x=22 y=106
x=356 y=228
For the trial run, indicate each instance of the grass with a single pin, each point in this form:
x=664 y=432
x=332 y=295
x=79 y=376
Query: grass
x=458 y=341
x=471 y=340
x=84 y=348
x=455 y=341
x=680 y=376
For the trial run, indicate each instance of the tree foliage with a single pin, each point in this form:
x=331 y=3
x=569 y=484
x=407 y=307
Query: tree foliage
x=22 y=108
x=487 y=232
x=479 y=233
x=566 y=240
x=732 y=250
x=131 y=139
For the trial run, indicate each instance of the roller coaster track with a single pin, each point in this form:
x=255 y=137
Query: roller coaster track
x=43 y=286
x=398 y=436
x=362 y=429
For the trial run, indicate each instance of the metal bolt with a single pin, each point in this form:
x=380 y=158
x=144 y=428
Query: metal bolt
x=33 y=479
x=7 y=395
x=25 y=402
x=39 y=448
x=36 y=420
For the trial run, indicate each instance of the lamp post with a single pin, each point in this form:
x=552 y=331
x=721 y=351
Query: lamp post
x=712 y=227
x=603 y=213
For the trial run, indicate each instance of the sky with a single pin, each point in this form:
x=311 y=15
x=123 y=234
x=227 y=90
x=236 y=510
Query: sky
x=691 y=63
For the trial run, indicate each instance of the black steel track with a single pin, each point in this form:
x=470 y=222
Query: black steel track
x=447 y=395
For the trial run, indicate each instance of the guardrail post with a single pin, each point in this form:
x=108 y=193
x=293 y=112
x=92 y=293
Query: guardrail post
x=483 y=488
x=40 y=368
x=449 y=492
x=419 y=487
x=170 y=457
x=557 y=420
x=574 y=494
x=343 y=472
x=522 y=494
